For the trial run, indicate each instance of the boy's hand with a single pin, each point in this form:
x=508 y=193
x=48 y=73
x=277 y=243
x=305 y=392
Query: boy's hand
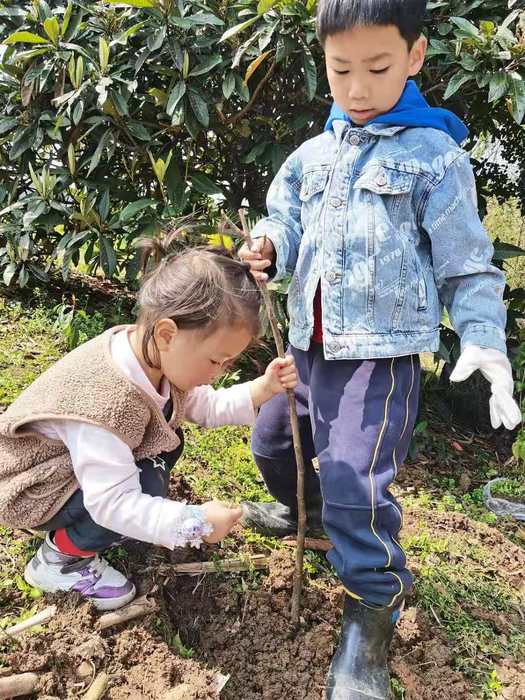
x=280 y=375
x=260 y=257
x=495 y=367
x=222 y=517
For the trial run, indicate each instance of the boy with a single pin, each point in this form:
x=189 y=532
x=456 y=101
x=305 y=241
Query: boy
x=376 y=218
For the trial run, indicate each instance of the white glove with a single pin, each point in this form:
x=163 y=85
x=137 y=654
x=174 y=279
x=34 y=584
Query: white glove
x=496 y=368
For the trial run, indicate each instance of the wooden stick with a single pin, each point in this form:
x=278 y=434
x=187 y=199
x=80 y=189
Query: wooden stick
x=310 y=543
x=98 y=687
x=20 y=684
x=216 y=567
x=138 y=608
x=39 y=619
x=294 y=422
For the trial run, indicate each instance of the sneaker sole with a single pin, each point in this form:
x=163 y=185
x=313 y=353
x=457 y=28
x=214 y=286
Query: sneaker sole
x=99 y=603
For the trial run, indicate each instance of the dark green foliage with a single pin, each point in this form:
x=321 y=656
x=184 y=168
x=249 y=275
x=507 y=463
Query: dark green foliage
x=118 y=116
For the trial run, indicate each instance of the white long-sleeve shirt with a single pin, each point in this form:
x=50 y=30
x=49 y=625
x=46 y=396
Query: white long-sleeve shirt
x=105 y=467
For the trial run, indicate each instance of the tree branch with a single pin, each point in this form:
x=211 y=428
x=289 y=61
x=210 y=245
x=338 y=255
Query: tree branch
x=245 y=110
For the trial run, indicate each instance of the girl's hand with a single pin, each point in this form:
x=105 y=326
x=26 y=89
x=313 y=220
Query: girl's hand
x=261 y=256
x=280 y=375
x=222 y=517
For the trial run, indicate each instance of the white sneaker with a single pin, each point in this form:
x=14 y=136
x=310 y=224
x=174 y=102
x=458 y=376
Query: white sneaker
x=92 y=577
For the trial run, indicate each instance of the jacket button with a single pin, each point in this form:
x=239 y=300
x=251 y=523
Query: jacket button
x=355 y=140
x=331 y=276
x=335 y=202
x=381 y=178
x=334 y=346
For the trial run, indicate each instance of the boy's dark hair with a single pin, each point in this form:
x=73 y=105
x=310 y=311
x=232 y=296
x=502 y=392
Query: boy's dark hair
x=200 y=288
x=334 y=16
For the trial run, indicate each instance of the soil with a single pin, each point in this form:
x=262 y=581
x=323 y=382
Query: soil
x=238 y=625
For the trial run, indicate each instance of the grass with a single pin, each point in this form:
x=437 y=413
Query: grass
x=454 y=581
x=218 y=464
x=36 y=334
x=18 y=599
x=28 y=344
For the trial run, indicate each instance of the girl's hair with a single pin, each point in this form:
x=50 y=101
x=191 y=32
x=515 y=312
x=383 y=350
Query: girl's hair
x=200 y=288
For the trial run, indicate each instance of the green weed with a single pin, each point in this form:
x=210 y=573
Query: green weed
x=172 y=638
x=397 y=689
x=492 y=687
x=510 y=489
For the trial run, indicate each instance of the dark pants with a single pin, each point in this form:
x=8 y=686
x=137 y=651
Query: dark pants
x=80 y=527
x=357 y=417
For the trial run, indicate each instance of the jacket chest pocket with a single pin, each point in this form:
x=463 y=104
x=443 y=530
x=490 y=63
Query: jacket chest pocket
x=313 y=187
x=386 y=189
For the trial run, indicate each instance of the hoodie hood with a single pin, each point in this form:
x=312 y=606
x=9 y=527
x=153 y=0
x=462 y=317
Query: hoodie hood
x=412 y=110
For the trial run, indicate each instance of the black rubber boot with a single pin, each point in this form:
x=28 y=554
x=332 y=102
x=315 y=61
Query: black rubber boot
x=278 y=520
x=359 y=668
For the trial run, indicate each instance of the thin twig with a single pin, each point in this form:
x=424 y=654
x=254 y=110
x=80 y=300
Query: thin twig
x=436 y=617
x=294 y=422
x=317 y=545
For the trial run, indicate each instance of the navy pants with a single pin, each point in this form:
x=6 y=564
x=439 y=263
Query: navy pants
x=80 y=527
x=357 y=417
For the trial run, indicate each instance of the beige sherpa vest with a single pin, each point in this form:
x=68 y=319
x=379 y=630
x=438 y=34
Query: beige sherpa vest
x=36 y=475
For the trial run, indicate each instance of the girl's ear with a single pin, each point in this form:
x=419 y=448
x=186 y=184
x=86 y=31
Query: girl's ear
x=417 y=55
x=165 y=330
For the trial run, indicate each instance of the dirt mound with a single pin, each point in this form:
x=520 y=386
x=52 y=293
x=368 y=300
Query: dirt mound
x=422 y=660
x=238 y=625
x=140 y=666
x=247 y=634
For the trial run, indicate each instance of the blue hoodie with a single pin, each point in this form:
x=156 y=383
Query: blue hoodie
x=411 y=110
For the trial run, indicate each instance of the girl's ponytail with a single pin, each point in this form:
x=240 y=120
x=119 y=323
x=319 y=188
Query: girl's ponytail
x=156 y=249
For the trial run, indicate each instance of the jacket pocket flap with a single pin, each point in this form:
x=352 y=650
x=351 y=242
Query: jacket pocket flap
x=383 y=180
x=314 y=182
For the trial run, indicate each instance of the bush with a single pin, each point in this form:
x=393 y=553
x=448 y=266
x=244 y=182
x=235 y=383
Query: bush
x=120 y=115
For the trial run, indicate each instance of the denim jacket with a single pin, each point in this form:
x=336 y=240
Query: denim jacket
x=385 y=219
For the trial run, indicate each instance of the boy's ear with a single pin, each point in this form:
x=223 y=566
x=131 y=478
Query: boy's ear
x=417 y=55
x=165 y=330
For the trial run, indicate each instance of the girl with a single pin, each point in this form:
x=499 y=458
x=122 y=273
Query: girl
x=87 y=449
